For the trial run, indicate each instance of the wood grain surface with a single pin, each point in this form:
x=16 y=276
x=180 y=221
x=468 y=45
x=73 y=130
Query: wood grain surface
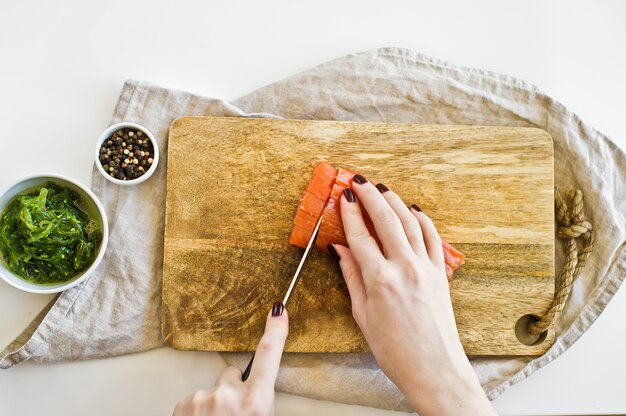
x=233 y=185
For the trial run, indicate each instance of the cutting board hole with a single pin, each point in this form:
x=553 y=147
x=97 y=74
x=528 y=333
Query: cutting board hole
x=522 y=333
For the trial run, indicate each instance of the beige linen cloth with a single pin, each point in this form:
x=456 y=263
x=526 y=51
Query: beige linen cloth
x=117 y=311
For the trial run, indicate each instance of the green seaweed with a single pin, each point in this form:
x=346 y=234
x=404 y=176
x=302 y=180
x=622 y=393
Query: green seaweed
x=46 y=238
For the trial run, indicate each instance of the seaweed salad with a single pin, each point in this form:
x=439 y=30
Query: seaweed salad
x=45 y=237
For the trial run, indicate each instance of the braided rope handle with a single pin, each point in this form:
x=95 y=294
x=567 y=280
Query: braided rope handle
x=572 y=226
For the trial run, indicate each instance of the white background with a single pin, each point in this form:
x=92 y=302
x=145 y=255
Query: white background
x=62 y=65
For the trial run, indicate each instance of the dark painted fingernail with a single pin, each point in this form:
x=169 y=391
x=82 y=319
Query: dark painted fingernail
x=416 y=208
x=333 y=252
x=382 y=188
x=278 y=309
x=349 y=195
x=359 y=179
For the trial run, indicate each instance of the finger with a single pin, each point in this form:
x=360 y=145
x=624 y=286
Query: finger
x=230 y=375
x=270 y=349
x=363 y=246
x=410 y=223
x=388 y=226
x=354 y=281
x=432 y=240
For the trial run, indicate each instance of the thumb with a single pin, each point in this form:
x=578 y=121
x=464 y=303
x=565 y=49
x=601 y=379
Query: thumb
x=354 y=280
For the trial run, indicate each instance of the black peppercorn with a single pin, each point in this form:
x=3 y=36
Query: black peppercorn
x=126 y=154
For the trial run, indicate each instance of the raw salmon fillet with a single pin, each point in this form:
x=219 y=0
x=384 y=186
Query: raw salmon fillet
x=323 y=195
x=312 y=203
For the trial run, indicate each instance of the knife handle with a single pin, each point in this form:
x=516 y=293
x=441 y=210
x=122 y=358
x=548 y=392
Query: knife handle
x=246 y=372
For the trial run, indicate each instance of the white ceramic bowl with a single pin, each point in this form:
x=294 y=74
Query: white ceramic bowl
x=93 y=206
x=105 y=136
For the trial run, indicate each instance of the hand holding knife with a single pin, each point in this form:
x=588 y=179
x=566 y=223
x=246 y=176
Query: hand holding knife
x=292 y=285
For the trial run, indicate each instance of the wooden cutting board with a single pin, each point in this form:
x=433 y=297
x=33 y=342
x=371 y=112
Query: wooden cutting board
x=233 y=185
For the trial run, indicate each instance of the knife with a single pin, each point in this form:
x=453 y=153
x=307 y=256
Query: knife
x=292 y=285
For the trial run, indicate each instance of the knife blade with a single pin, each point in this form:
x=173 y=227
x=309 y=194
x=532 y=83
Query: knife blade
x=292 y=285
x=305 y=255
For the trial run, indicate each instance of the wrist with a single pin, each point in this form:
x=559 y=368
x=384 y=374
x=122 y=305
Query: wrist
x=450 y=392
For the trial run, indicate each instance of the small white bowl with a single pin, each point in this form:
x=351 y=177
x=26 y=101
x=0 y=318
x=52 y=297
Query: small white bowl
x=108 y=133
x=92 y=204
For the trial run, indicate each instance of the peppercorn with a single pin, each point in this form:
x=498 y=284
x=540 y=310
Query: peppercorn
x=125 y=155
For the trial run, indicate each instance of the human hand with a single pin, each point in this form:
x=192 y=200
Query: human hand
x=255 y=396
x=401 y=301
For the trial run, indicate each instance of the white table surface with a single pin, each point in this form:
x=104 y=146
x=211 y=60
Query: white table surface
x=62 y=65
